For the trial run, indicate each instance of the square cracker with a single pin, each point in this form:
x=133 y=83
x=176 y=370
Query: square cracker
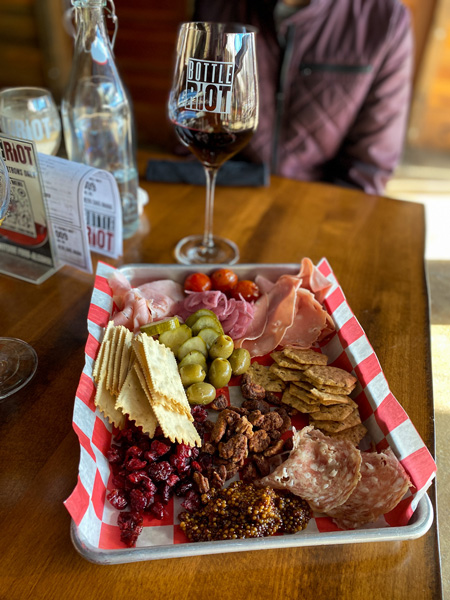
x=176 y=427
x=133 y=401
x=305 y=356
x=263 y=376
x=101 y=352
x=284 y=361
x=335 y=426
x=333 y=376
x=106 y=403
x=126 y=360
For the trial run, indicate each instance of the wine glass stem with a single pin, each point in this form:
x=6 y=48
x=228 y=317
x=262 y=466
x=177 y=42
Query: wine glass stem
x=211 y=174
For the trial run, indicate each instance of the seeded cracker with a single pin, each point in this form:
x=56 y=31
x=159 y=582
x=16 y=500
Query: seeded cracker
x=335 y=426
x=284 y=361
x=263 y=376
x=285 y=374
x=307 y=356
x=352 y=434
x=296 y=402
x=328 y=399
x=134 y=402
x=338 y=412
x=332 y=376
x=304 y=395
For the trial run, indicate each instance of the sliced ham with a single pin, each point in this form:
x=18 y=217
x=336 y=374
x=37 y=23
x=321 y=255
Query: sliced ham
x=162 y=296
x=322 y=470
x=383 y=484
x=119 y=285
x=135 y=311
x=309 y=322
x=313 y=280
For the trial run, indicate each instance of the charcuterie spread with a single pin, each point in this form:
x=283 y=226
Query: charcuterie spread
x=237 y=409
x=248 y=469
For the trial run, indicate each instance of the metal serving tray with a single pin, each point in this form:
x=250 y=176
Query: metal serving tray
x=418 y=525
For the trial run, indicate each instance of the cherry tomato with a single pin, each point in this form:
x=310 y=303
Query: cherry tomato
x=197 y=282
x=246 y=289
x=224 y=280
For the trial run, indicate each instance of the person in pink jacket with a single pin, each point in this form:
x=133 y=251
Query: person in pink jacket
x=335 y=85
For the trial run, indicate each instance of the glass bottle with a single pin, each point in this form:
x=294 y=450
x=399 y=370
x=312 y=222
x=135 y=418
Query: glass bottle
x=96 y=111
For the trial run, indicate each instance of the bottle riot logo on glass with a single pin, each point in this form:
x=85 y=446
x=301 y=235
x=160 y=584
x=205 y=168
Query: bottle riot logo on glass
x=208 y=85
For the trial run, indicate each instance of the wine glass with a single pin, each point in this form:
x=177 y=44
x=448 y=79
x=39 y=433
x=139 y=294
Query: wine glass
x=213 y=106
x=18 y=360
x=30 y=113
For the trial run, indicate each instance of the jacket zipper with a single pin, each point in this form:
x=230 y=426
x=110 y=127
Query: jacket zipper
x=287 y=55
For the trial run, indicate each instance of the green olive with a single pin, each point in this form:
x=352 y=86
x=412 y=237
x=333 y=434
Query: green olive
x=219 y=373
x=201 y=393
x=192 y=374
x=193 y=358
x=239 y=361
x=222 y=347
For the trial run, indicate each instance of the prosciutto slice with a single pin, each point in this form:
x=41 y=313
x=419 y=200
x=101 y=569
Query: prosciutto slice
x=322 y=470
x=289 y=311
x=383 y=484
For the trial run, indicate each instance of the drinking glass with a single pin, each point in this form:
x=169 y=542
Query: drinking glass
x=213 y=106
x=30 y=113
x=18 y=360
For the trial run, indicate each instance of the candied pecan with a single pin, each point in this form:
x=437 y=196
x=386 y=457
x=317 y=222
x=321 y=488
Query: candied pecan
x=255 y=404
x=202 y=482
x=249 y=472
x=235 y=449
x=219 y=403
x=226 y=417
x=286 y=419
x=208 y=448
x=253 y=391
x=259 y=442
x=231 y=472
x=255 y=417
x=272 y=398
x=274 y=449
x=208 y=425
x=262 y=464
x=238 y=409
x=243 y=426
x=275 y=434
x=218 y=477
x=271 y=421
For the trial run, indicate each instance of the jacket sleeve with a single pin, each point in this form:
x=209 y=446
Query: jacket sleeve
x=374 y=144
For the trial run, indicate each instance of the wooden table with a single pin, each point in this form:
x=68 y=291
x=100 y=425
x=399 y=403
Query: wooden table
x=376 y=248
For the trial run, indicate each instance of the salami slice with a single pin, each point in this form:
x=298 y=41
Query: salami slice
x=322 y=470
x=383 y=484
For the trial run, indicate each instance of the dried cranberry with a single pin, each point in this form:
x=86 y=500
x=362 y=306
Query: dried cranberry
x=138 y=500
x=199 y=413
x=172 y=479
x=130 y=525
x=133 y=452
x=160 y=471
x=184 y=451
x=141 y=477
x=151 y=456
x=135 y=464
x=205 y=460
x=117 y=499
x=183 y=488
x=166 y=493
x=191 y=502
x=159 y=447
x=114 y=455
x=179 y=463
x=150 y=497
x=118 y=481
x=157 y=510
x=196 y=466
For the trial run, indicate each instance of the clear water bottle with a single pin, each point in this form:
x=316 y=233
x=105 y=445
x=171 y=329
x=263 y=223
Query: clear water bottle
x=96 y=111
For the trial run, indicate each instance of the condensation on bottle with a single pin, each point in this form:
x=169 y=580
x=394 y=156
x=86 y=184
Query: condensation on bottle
x=96 y=110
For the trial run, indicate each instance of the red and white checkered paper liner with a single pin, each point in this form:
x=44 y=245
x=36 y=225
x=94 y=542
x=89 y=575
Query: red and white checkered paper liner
x=348 y=348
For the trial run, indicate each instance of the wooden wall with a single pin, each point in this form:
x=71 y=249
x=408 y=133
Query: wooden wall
x=35 y=49
x=430 y=114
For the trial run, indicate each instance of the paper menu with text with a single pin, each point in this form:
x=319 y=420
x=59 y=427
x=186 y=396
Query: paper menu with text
x=60 y=211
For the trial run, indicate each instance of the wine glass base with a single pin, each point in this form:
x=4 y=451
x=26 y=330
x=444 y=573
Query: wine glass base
x=192 y=251
x=18 y=364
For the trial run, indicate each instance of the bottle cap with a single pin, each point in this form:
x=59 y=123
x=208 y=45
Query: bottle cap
x=88 y=3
